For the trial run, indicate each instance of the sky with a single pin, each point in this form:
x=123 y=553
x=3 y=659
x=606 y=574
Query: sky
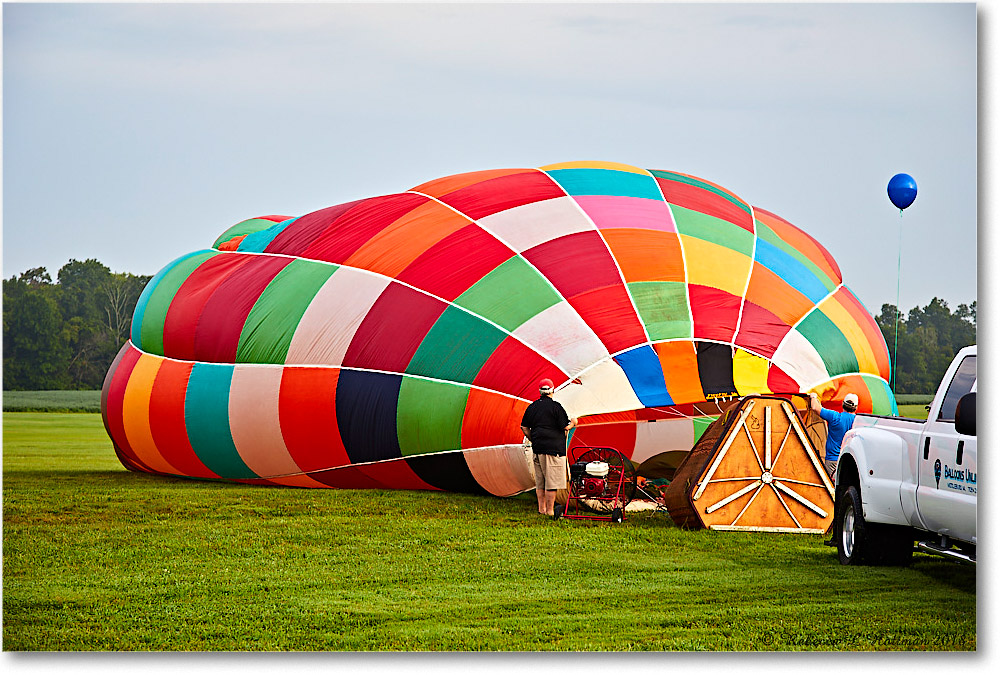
x=134 y=134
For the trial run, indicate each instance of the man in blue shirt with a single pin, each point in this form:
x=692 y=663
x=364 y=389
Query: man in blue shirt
x=837 y=425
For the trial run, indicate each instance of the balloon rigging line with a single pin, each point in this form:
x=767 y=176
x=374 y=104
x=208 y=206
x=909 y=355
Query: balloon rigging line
x=895 y=339
x=746 y=285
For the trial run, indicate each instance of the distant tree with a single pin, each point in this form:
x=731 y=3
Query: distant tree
x=35 y=277
x=967 y=313
x=80 y=284
x=35 y=351
x=925 y=342
x=65 y=335
x=120 y=294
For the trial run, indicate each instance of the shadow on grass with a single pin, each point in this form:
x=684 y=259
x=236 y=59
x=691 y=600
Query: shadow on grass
x=960 y=576
x=127 y=479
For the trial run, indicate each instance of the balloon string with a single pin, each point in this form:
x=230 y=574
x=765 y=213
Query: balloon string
x=895 y=340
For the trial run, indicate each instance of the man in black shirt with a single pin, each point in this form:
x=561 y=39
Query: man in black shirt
x=545 y=424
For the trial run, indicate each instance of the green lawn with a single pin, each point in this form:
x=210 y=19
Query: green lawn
x=52 y=401
x=916 y=412
x=97 y=558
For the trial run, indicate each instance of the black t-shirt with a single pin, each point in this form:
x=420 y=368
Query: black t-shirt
x=547 y=420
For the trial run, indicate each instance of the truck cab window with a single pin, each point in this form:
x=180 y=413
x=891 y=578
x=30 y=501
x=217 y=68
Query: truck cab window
x=961 y=384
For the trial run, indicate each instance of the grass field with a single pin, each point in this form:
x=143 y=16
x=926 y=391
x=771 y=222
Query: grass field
x=914 y=399
x=97 y=558
x=917 y=412
x=52 y=401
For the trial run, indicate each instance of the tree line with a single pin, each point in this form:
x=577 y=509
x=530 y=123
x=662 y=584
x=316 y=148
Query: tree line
x=925 y=342
x=65 y=334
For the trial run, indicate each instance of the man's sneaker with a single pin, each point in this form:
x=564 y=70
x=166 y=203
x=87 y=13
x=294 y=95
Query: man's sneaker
x=830 y=542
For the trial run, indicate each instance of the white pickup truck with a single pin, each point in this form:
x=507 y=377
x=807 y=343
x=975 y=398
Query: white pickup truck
x=901 y=480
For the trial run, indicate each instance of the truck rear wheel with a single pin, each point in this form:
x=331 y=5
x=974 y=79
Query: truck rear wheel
x=862 y=543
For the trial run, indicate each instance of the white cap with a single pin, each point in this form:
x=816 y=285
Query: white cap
x=851 y=400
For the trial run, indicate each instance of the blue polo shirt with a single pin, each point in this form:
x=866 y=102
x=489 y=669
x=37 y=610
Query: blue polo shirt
x=837 y=425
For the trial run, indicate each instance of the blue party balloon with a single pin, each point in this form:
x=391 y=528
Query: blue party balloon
x=902 y=190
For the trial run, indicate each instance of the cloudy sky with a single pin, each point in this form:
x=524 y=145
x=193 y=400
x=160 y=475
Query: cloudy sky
x=136 y=133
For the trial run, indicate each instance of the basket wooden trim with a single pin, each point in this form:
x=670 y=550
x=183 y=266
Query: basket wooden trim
x=761 y=474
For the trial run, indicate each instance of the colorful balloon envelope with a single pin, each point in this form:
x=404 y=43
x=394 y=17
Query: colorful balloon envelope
x=395 y=341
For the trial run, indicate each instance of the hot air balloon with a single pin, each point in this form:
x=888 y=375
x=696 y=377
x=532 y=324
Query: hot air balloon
x=395 y=341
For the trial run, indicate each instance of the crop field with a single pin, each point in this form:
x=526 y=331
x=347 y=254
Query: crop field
x=97 y=558
x=52 y=401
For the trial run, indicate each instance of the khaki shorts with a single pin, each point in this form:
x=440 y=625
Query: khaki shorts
x=831 y=467
x=550 y=472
